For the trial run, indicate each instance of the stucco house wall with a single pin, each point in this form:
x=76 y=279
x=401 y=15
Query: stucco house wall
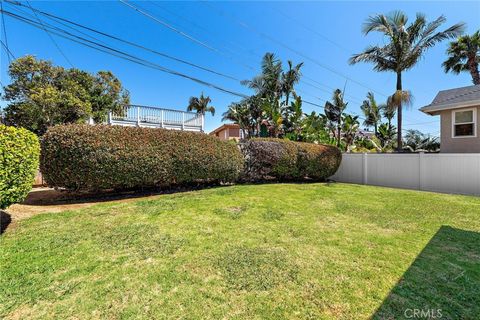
x=449 y=144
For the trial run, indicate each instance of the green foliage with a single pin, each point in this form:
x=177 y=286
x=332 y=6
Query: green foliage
x=404 y=45
x=84 y=157
x=19 y=152
x=42 y=95
x=418 y=141
x=464 y=56
x=270 y=158
x=201 y=105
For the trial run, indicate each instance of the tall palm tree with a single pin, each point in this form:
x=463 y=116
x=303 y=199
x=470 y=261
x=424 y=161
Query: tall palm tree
x=334 y=114
x=406 y=45
x=371 y=112
x=201 y=105
x=289 y=79
x=464 y=55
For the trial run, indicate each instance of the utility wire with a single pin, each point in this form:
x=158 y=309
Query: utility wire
x=280 y=43
x=132 y=44
x=7 y=50
x=118 y=53
x=9 y=53
x=167 y=25
x=50 y=36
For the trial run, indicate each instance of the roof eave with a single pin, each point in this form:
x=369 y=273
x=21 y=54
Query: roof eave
x=435 y=109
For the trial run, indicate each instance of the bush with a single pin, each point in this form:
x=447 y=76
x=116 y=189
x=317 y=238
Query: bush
x=85 y=157
x=19 y=152
x=268 y=159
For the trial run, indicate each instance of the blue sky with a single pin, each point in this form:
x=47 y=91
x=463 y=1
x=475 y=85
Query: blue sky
x=323 y=35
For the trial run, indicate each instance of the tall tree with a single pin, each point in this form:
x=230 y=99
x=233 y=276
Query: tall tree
x=42 y=95
x=371 y=111
x=201 y=105
x=405 y=45
x=334 y=113
x=464 y=56
x=289 y=79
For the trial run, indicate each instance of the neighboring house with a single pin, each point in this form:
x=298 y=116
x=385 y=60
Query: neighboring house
x=459 y=111
x=154 y=117
x=229 y=131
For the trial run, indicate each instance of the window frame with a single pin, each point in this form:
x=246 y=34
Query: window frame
x=474 y=122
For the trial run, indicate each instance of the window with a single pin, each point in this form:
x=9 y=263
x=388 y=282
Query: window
x=464 y=123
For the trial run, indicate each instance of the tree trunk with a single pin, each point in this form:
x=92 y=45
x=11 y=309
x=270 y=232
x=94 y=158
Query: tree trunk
x=473 y=66
x=376 y=129
x=399 y=114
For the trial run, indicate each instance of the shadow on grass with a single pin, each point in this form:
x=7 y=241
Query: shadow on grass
x=5 y=220
x=48 y=197
x=442 y=283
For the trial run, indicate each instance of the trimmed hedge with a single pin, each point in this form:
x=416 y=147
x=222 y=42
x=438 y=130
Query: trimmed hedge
x=101 y=157
x=277 y=159
x=19 y=152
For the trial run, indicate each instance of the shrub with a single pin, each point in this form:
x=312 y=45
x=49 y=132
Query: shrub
x=85 y=157
x=19 y=152
x=267 y=159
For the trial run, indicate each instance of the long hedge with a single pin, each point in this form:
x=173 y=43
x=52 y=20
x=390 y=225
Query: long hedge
x=85 y=157
x=19 y=152
x=277 y=159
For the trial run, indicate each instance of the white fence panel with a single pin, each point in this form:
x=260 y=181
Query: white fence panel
x=449 y=173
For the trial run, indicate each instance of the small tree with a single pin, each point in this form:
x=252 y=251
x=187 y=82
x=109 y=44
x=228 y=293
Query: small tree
x=334 y=114
x=42 y=95
x=201 y=104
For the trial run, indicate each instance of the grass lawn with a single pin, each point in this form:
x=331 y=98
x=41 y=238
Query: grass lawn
x=298 y=251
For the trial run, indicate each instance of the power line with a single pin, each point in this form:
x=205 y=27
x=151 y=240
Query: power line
x=183 y=34
x=133 y=44
x=50 y=36
x=7 y=50
x=9 y=53
x=280 y=43
x=118 y=53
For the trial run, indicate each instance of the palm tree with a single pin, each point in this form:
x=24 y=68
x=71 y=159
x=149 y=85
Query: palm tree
x=289 y=79
x=334 y=114
x=406 y=45
x=371 y=111
x=350 y=129
x=201 y=105
x=464 y=55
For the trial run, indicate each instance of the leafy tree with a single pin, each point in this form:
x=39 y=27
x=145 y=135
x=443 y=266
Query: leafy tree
x=464 y=56
x=417 y=141
x=270 y=105
x=289 y=79
x=388 y=111
x=350 y=126
x=334 y=113
x=406 y=44
x=201 y=105
x=42 y=95
x=371 y=111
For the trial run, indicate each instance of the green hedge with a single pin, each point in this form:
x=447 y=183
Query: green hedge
x=269 y=159
x=19 y=152
x=85 y=157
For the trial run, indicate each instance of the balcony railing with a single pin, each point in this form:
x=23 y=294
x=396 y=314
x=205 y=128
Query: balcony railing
x=143 y=116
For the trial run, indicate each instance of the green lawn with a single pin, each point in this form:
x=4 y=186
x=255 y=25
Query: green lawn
x=297 y=251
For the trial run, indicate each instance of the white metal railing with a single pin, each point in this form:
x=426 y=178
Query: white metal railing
x=144 y=116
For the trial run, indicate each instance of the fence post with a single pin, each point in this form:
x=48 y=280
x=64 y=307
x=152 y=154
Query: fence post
x=183 y=120
x=161 y=117
x=421 y=170
x=202 y=115
x=365 y=168
x=109 y=117
x=138 y=116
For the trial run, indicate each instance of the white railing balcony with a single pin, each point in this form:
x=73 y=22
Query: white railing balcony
x=144 y=116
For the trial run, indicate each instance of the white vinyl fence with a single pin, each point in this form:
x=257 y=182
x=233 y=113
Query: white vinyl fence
x=439 y=172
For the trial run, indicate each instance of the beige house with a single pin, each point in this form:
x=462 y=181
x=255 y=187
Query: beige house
x=459 y=111
x=229 y=131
